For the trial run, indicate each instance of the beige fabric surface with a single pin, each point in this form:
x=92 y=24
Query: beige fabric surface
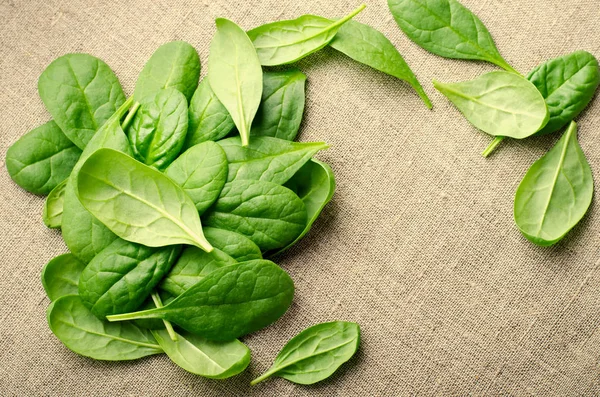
x=418 y=244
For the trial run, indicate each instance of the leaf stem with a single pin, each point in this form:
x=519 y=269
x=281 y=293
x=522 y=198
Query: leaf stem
x=492 y=146
x=168 y=325
x=264 y=376
x=504 y=65
x=133 y=316
x=130 y=115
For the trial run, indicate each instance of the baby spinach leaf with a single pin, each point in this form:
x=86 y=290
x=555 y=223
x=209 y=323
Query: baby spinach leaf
x=53 y=206
x=314 y=184
x=137 y=202
x=60 y=276
x=367 y=45
x=158 y=130
x=315 y=353
x=208 y=118
x=280 y=111
x=235 y=74
x=81 y=93
x=270 y=215
x=499 y=104
x=175 y=64
x=568 y=84
x=41 y=159
x=193 y=265
x=123 y=275
x=201 y=171
x=448 y=29
x=284 y=42
x=229 y=302
x=267 y=159
x=239 y=247
x=555 y=193
x=79 y=330
x=200 y=356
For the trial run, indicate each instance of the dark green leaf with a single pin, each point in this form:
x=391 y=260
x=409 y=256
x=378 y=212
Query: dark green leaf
x=239 y=247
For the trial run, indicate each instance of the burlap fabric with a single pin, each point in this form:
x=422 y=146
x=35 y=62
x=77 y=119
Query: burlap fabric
x=418 y=244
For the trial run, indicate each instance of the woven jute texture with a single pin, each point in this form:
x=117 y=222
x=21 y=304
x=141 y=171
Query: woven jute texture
x=418 y=245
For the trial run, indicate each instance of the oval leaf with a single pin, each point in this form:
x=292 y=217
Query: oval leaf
x=60 y=276
x=239 y=247
x=53 y=206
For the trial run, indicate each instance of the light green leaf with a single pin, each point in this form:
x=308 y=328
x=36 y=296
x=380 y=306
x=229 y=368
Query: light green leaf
x=60 y=276
x=53 y=206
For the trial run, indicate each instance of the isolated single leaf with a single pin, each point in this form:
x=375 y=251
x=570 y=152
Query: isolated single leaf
x=201 y=171
x=369 y=46
x=555 y=193
x=235 y=74
x=568 y=84
x=288 y=41
x=315 y=353
x=60 y=276
x=137 y=202
x=229 y=302
x=267 y=159
x=446 y=28
x=239 y=247
x=41 y=159
x=81 y=92
x=53 y=206
x=499 y=104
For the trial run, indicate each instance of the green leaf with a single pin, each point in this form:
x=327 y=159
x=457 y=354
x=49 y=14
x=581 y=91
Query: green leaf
x=270 y=215
x=448 y=29
x=208 y=118
x=267 y=159
x=288 y=41
x=315 y=353
x=282 y=106
x=81 y=92
x=499 y=104
x=158 y=130
x=367 y=45
x=229 y=302
x=79 y=330
x=41 y=159
x=123 y=275
x=568 y=84
x=239 y=247
x=175 y=64
x=201 y=171
x=137 y=202
x=53 y=206
x=60 y=276
x=200 y=356
x=193 y=265
x=555 y=193
x=235 y=74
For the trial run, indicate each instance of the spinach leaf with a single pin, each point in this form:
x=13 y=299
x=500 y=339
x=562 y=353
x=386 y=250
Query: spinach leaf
x=315 y=353
x=314 y=184
x=201 y=171
x=175 y=64
x=499 y=104
x=81 y=93
x=53 y=206
x=235 y=74
x=367 y=45
x=448 y=29
x=193 y=265
x=123 y=275
x=284 y=42
x=158 y=130
x=555 y=193
x=137 y=202
x=79 y=330
x=239 y=247
x=60 y=276
x=568 y=84
x=280 y=111
x=208 y=118
x=41 y=159
x=270 y=215
x=229 y=302
x=200 y=356
x=267 y=159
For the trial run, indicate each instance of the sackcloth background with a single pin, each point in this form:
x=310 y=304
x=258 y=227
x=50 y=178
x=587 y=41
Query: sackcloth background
x=418 y=244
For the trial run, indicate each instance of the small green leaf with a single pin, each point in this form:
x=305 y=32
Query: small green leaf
x=60 y=276
x=239 y=247
x=53 y=206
